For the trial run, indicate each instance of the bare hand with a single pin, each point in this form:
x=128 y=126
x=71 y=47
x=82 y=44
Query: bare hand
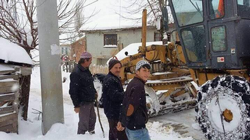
x=96 y=95
x=77 y=109
x=119 y=127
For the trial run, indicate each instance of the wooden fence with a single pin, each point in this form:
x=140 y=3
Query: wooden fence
x=68 y=66
x=9 y=101
x=99 y=69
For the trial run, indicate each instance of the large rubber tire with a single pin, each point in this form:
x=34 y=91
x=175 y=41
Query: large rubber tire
x=224 y=92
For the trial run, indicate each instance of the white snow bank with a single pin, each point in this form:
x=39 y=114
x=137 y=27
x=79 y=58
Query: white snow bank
x=14 y=53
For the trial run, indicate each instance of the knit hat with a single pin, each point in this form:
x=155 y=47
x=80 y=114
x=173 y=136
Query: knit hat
x=112 y=62
x=86 y=55
x=141 y=63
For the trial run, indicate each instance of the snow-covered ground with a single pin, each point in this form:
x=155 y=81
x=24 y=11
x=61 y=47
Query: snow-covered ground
x=183 y=122
x=31 y=129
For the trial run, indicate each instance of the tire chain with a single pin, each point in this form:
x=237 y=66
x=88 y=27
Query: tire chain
x=239 y=90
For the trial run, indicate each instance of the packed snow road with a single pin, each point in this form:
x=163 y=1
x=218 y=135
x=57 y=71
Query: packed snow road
x=182 y=122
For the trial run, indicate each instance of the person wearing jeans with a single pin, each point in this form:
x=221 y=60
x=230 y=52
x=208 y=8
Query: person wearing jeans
x=134 y=111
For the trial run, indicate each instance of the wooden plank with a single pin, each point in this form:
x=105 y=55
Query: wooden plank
x=3 y=103
x=2 y=77
x=6 y=86
x=8 y=122
x=8 y=128
x=15 y=127
x=11 y=116
x=6 y=72
x=4 y=90
x=8 y=83
x=6 y=110
x=7 y=97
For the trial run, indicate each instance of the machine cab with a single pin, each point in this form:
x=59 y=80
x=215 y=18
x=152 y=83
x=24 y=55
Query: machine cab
x=215 y=34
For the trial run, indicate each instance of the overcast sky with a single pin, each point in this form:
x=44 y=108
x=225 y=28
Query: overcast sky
x=108 y=14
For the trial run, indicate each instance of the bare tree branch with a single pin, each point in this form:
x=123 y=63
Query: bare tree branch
x=18 y=22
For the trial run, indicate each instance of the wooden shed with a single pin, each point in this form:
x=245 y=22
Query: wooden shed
x=14 y=64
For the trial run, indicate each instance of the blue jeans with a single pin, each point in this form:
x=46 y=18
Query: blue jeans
x=140 y=134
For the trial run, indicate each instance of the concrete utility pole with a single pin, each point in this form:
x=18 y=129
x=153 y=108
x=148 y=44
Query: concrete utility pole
x=51 y=79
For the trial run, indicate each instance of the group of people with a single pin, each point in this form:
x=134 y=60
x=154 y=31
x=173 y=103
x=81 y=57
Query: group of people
x=126 y=111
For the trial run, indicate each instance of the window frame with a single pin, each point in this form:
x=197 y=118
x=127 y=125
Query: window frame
x=104 y=40
x=159 y=37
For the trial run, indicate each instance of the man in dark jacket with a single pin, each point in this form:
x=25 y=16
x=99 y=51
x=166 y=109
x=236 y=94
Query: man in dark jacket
x=112 y=99
x=134 y=113
x=83 y=94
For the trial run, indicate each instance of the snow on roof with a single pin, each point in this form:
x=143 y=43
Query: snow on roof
x=13 y=53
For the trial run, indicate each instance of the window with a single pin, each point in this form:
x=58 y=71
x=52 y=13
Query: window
x=244 y=8
x=157 y=37
x=216 y=9
x=110 y=40
x=244 y=2
x=194 y=43
x=188 y=11
x=219 y=38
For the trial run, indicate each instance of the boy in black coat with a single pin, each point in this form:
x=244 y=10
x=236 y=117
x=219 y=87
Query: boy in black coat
x=134 y=112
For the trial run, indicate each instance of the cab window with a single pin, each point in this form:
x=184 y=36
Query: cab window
x=244 y=8
x=194 y=43
x=219 y=38
x=188 y=11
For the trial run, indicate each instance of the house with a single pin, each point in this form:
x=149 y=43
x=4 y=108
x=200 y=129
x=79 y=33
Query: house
x=73 y=51
x=65 y=50
x=105 y=43
x=77 y=48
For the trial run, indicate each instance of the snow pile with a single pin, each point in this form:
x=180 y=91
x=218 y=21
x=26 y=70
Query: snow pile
x=133 y=49
x=13 y=53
